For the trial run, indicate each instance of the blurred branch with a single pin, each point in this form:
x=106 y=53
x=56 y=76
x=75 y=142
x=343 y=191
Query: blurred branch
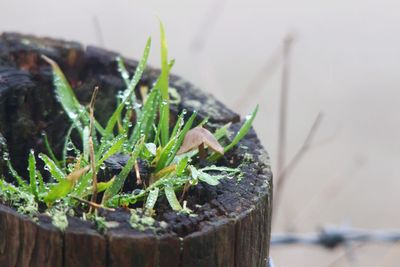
x=283 y=174
x=211 y=18
x=332 y=237
x=281 y=155
x=98 y=31
x=299 y=154
x=262 y=75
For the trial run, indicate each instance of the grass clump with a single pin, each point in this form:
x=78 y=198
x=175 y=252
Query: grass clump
x=138 y=129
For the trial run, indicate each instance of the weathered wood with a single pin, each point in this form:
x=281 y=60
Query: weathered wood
x=48 y=249
x=169 y=250
x=232 y=226
x=83 y=246
x=127 y=248
x=24 y=243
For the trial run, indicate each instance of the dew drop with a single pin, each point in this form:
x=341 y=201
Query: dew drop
x=6 y=156
x=70 y=146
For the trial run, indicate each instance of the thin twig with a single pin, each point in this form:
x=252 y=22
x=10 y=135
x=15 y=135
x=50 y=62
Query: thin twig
x=93 y=204
x=281 y=155
x=91 y=146
x=137 y=172
x=98 y=31
x=184 y=191
x=92 y=100
x=255 y=85
x=282 y=176
x=211 y=18
x=299 y=154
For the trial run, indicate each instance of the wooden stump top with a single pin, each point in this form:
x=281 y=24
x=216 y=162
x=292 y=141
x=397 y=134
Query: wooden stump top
x=232 y=226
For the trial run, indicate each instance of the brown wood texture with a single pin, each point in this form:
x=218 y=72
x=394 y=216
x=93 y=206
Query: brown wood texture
x=232 y=226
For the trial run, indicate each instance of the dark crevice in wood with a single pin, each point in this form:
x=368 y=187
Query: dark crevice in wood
x=63 y=249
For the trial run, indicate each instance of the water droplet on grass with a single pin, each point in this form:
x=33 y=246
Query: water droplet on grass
x=6 y=156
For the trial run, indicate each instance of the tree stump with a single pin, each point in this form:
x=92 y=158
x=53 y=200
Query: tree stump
x=232 y=226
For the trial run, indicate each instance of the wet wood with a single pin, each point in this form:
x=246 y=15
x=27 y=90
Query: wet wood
x=24 y=243
x=232 y=226
x=84 y=246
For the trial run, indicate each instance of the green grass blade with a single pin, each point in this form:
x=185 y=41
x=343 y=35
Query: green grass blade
x=113 y=120
x=129 y=93
x=223 y=131
x=152 y=198
x=144 y=124
x=157 y=86
x=52 y=167
x=122 y=71
x=205 y=177
x=164 y=85
x=203 y=122
x=83 y=184
x=65 y=147
x=120 y=178
x=58 y=191
x=16 y=176
x=64 y=92
x=32 y=174
x=171 y=155
x=171 y=197
x=181 y=166
x=240 y=134
x=209 y=179
x=162 y=161
x=102 y=186
x=66 y=96
x=127 y=121
x=179 y=123
x=48 y=148
x=41 y=187
x=115 y=147
x=99 y=128
x=220 y=169
x=243 y=130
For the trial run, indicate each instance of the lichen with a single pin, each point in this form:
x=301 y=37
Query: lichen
x=59 y=219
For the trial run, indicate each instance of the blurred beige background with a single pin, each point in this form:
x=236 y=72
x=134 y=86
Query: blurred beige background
x=345 y=63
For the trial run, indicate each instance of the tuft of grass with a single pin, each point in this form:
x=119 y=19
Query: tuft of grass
x=139 y=128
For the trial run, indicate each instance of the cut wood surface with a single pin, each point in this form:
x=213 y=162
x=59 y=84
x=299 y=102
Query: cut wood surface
x=232 y=226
